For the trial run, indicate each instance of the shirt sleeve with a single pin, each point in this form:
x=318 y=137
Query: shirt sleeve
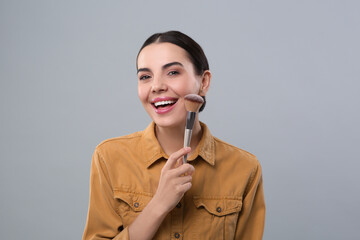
x=103 y=222
x=252 y=216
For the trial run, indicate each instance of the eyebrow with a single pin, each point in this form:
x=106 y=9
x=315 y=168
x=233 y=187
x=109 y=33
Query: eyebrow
x=143 y=70
x=172 y=64
x=163 y=67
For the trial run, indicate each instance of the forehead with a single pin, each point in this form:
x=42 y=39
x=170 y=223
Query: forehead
x=161 y=53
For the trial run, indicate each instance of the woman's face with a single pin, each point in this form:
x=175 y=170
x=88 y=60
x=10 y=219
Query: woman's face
x=165 y=76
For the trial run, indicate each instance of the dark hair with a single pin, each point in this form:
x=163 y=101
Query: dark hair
x=193 y=49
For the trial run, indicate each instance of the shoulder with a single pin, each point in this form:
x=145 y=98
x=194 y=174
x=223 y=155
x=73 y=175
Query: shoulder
x=228 y=151
x=233 y=148
x=120 y=139
x=119 y=143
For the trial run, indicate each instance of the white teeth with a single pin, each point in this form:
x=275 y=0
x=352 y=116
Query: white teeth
x=163 y=103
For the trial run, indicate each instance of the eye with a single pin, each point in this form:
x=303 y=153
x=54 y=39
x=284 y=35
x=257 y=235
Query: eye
x=144 y=77
x=172 y=73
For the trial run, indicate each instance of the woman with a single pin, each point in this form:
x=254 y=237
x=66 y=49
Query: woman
x=139 y=188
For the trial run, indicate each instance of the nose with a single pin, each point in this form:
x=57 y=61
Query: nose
x=158 y=85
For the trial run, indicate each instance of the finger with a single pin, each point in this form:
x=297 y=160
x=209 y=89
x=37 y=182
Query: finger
x=178 y=163
x=174 y=157
x=185 y=168
x=183 y=179
x=184 y=187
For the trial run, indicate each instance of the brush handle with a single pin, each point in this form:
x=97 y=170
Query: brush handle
x=190 y=120
x=187 y=140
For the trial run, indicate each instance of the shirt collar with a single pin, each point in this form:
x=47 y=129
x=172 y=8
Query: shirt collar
x=152 y=151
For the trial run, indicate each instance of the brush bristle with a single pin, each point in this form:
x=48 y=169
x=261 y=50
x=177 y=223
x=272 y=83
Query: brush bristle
x=193 y=102
x=194 y=98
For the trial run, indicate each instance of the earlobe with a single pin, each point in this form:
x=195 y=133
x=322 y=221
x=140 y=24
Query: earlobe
x=205 y=83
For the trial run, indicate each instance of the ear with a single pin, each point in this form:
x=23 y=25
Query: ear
x=205 y=83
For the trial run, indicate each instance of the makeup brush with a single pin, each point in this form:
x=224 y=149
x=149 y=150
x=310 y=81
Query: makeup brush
x=193 y=103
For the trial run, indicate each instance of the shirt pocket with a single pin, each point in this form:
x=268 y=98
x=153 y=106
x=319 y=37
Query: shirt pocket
x=218 y=216
x=130 y=205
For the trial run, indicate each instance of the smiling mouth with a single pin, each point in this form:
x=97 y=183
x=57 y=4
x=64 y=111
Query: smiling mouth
x=164 y=104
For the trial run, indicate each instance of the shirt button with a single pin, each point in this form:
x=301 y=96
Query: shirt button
x=136 y=204
x=177 y=235
x=178 y=205
x=219 y=209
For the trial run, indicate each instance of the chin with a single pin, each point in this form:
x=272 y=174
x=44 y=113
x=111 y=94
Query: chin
x=169 y=123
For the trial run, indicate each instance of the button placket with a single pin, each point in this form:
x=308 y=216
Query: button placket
x=177 y=221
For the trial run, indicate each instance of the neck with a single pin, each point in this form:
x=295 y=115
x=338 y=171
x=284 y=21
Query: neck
x=172 y=139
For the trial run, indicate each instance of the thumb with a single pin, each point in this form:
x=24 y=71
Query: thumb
x=170 y=163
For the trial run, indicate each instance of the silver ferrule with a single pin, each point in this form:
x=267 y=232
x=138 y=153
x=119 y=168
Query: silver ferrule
x=187 y=140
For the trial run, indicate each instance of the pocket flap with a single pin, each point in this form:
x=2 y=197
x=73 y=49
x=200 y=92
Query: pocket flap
x=137 y=201
x=219 y=206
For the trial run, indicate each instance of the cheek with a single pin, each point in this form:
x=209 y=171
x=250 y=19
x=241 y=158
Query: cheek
x=142 y=93
x=191 y=86
x=186 y=85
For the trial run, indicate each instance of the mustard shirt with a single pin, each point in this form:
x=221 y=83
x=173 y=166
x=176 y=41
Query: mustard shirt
x=226 y=200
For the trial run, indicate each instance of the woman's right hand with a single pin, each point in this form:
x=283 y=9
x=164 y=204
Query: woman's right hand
x=174 y=181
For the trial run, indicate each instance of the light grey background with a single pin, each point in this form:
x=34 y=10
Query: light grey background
x=285 y=87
